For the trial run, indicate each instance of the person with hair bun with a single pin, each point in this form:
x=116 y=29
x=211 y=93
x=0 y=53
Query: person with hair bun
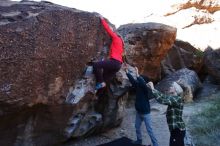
x=174 y=112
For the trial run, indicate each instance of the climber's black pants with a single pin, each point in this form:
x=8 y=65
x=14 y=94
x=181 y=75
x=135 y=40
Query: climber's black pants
x=177 y=137
x=105 y=70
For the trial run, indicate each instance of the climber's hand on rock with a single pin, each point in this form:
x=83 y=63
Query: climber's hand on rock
x=126 y=68
x=98 y=15
x=136 y=69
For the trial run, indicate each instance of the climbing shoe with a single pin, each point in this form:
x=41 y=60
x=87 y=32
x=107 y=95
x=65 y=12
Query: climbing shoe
x=100 y=85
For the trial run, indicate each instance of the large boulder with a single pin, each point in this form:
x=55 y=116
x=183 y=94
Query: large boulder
x=146 y=46
x=182 y=55
x=186 y=79
x=44 y=52
x=209 y=88
x=212 y=63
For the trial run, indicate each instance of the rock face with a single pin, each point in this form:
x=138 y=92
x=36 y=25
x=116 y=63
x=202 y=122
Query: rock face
x=146 y=45
x=187 y=79
x=209 y=87
x=182 y=55
x=95 y=116
x=44 y=51
x=212 y=63
x=204 y=10
x=42 y=54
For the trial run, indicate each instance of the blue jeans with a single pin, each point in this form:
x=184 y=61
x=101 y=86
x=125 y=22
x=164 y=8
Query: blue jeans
x=147 y=120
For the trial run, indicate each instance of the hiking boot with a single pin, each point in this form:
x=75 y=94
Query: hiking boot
x=137 y=142
x=100 y=85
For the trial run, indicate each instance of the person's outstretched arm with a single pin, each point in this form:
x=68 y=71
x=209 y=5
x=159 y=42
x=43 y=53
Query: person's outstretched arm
x=117 y=46
x=163 y=98
x=166 y=99
x=131 y=79
x=140 y=80
x=108 y=29
x=142 y=83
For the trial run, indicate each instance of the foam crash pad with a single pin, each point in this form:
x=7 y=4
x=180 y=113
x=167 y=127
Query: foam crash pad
x=123 y=141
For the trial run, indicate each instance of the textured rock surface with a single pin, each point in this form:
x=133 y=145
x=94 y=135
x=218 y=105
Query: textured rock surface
x=44 y=51
x=209 y=87
x=182 y=55
x=146 y=45
x=42 y=54
x=212 y=63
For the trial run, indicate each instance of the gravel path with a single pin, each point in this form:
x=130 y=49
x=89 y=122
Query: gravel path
x=127 y=129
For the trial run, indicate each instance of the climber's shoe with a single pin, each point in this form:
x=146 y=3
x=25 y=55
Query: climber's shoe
x=100 y=85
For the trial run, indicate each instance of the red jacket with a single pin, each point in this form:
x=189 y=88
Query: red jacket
x=117 y=46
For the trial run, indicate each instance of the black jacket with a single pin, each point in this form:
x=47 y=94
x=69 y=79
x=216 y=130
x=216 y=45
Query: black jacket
x=142 y=104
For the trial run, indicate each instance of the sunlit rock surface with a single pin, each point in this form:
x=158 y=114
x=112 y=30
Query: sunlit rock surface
x=146 y=45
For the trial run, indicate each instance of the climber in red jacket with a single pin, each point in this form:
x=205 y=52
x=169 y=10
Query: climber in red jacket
x=106 y=69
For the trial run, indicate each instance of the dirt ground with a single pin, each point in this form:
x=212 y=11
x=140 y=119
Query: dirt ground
x=127 y=128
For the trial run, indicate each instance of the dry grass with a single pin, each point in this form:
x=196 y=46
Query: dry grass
x=205 y=126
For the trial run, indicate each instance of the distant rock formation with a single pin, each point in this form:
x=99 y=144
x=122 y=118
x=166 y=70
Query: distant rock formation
x=205 y=6
x=210 y=6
